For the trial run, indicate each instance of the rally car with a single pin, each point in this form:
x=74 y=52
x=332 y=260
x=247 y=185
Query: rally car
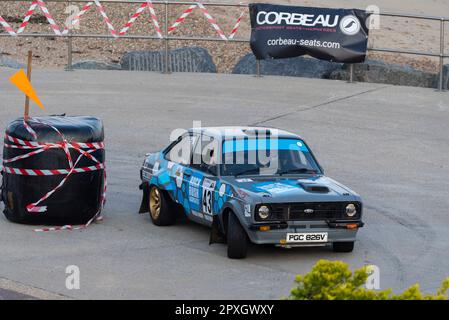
x=262 y=185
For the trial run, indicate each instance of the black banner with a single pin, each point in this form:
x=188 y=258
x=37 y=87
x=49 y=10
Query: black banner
x=339 y=35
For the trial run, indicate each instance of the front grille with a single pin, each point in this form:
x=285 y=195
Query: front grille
x=303 y=211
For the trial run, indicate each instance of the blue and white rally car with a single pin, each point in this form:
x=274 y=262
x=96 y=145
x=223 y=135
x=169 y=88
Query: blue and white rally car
x=253 y=184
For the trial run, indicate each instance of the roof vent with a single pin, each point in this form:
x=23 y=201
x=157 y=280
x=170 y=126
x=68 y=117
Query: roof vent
x=257 y=132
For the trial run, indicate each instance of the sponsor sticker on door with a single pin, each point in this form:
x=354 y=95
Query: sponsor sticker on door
x=320 y=237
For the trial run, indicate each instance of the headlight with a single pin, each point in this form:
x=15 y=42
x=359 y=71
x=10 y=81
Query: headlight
x=351 y=210
x=264 y=212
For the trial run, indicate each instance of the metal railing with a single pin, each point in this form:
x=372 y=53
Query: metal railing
x=166 y=37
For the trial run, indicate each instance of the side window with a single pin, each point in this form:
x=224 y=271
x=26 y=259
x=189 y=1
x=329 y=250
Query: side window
x=181 y=152
x=205 y=155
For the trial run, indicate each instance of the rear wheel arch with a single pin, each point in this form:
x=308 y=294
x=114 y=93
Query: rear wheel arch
x=162 y=189
x=171 y=194
x=163 y=210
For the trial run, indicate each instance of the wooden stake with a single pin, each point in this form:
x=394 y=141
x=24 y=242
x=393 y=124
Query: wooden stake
x=27 y=99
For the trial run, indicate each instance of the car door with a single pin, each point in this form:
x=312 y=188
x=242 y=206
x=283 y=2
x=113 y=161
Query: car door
x=178 y=163
x=203 y=180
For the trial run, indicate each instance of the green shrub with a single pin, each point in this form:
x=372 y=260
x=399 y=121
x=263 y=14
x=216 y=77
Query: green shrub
x=333 y=280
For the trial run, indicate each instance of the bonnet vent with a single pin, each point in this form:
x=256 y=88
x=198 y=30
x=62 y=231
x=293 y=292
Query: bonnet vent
x=314 y=187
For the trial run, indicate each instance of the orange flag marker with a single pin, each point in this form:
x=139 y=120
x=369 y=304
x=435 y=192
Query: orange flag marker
x=20 y=80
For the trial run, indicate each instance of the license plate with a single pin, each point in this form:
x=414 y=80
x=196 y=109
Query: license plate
x=306 y=237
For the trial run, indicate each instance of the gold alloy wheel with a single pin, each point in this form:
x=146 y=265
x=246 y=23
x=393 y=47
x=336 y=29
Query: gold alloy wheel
x=155 y=203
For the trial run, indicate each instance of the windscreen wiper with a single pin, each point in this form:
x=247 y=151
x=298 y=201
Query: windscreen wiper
x=246 y=172
x=297 y=170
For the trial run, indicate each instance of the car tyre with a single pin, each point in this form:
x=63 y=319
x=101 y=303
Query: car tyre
x=11 y=216
x=236 y=238
x=343 y=246
x=162 y=209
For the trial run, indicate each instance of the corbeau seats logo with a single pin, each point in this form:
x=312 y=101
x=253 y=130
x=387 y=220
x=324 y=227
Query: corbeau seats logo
x=350 y=25
x=297 y=19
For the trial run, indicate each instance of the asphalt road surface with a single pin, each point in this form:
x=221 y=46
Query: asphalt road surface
x=390 y=144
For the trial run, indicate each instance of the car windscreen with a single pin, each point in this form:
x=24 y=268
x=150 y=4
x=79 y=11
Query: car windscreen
x=257 y=156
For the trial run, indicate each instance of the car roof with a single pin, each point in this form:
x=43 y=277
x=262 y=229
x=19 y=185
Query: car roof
x=224 y=133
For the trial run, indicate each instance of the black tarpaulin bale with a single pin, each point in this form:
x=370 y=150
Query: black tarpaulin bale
x=79 y=199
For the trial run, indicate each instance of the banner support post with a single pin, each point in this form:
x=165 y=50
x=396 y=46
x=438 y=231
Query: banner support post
x=440 y=83
x=258 y=72
x=351 y=73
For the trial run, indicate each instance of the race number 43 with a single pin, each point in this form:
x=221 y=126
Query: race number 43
x=208 y=194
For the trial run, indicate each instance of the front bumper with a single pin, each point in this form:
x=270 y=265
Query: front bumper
x=337 y=232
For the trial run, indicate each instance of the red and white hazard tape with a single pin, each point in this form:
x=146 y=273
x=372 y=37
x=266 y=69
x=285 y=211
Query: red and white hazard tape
x=77 y=18
x=23 y=144
x=212 y=21
x=105 y=18
x=139 y=11
x=154 y=19
x=7 y=27
x=183 y=16
x=27 y=17
x=96 y=218
x=133 y=19
x=50 y=20
x=209 y=18
x=111 y=29
x=47 y=15
x=38 y=147
x=29 y=129
x=237 y=25
x=53 y=172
